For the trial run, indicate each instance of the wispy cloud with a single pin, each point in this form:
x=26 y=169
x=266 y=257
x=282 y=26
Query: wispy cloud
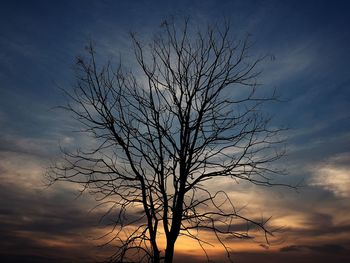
x=333 y=175
x=327 y=248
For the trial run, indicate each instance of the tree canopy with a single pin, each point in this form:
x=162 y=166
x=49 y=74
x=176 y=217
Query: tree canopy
x=189 y=116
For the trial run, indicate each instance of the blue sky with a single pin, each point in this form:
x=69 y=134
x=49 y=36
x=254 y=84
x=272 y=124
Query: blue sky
x=39 y=41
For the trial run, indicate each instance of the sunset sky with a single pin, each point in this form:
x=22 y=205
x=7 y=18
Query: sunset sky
x=310 y=41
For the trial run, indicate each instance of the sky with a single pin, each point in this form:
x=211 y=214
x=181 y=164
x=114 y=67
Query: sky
x=309 y=40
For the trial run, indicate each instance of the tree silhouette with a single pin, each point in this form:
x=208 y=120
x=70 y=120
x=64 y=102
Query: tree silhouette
x=188 y=118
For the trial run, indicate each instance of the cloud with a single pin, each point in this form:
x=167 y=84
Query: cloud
x=42 y=225
x=327 y=248
x=36 y=223
x=47 y=223
x=290 y=62
x=333 y=175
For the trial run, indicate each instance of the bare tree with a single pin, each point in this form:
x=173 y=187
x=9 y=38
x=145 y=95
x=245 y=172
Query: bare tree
x=189 y=117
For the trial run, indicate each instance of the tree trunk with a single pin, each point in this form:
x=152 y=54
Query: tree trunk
x=156 y=252
x=156 y=256
x=169 y=251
